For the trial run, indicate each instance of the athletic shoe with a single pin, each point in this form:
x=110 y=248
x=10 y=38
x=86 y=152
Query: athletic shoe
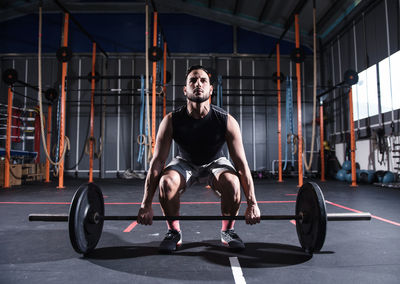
x=232 y=240
x=172 y=240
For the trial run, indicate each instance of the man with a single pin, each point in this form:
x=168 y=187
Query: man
x=200 y=130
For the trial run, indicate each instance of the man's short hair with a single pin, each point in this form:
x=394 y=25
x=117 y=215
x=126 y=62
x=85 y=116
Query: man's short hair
x=197 y=67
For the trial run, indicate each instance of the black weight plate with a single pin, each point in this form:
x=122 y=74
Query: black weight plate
x=155 y=53
x=351 y=77
x=84 y=232
x=312 y=229
x=64 y=54
x=10 y=76
x=96 y=76
x=298 y=55
x=275 y=77
x=51 y=94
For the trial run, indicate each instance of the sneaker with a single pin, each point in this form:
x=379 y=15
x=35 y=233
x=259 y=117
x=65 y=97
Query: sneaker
x=172 y=240
x=232 y=240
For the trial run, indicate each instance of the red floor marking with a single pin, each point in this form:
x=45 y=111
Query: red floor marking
x=130 y=227
x=290 y=194
x=357 y=211
x=293 y=222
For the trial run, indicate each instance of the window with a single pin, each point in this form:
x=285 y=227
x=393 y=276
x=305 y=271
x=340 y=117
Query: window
x=365 y=92
x=362 y=96
x=395 y=71
x=384 y=83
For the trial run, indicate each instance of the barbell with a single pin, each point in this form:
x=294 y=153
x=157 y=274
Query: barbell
x=86 y=217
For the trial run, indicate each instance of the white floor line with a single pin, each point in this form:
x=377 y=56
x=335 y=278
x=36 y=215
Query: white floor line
x=237 y=271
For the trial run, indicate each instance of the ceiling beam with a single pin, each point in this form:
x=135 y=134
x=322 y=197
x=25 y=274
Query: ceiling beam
x=236 y=9
x=336 y=7
x=177 y=6
x=265 y=8
x=289 y=22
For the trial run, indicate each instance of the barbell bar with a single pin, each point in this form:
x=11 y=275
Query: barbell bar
x=330 y=217
x=86 y=217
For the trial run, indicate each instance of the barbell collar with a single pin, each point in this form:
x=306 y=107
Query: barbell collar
x=349 y=216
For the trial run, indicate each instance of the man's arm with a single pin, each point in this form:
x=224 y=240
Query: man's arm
x=161 y=152
x=236 y=151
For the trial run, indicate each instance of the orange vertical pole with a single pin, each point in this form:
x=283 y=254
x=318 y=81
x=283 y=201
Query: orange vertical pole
x=8 y=140
x=62 y=112
x=299 y=130
x=278 y=71
x=352 y=142
x=321 y=139
x=48 y=142
x=165 y=81
x=153 y=98
x=93 y=81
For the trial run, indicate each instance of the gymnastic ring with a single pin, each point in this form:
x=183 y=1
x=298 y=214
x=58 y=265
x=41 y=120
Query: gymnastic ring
x=141 y=139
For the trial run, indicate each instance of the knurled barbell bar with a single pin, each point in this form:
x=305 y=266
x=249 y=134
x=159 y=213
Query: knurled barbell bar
x=86 y=217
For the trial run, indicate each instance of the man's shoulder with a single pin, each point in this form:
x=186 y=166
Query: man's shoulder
x=218 y=110
x=179 y=109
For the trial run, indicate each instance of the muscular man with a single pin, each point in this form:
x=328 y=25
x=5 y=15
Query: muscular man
x=200 y=130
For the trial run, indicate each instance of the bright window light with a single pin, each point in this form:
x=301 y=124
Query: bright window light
x=362 y=95
x=372 y=91
x=395 y=68
x=384 y=83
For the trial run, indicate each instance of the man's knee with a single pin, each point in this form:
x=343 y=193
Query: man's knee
x=170 y=184
x=229 y=185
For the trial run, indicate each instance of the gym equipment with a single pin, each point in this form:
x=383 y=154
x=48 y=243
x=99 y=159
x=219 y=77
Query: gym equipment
x=86 y=217
x=275 y=77
x=350 y=77
x=346 y=165
x=298 y=55
x=379 y=175
x=155 y=53
x=388 y=177
x=96 y=76
x=348 y=177
x=10 y=76
x=64 y=54
x=341 y=174
x=51 y=94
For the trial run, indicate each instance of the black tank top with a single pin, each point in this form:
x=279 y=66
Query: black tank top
x=200 y=141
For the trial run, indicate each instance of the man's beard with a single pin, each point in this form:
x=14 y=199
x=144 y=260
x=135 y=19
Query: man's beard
x=197 y=99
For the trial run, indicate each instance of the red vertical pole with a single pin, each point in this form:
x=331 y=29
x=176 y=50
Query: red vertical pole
x=322 y=148
x=278 y=71
x=299 y=130
x=48 y=142
x=62 y=113
x=352 y=142
x=8 y=140
x=153 y=98
x=93 y=81
x=165 y=81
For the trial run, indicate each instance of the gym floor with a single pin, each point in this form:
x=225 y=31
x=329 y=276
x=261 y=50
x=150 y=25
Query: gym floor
x=354 y=252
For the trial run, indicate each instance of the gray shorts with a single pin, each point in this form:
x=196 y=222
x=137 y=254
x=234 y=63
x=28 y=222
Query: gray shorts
x=204 y=173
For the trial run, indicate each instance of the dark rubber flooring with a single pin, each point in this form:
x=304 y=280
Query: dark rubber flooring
x=354 y=252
